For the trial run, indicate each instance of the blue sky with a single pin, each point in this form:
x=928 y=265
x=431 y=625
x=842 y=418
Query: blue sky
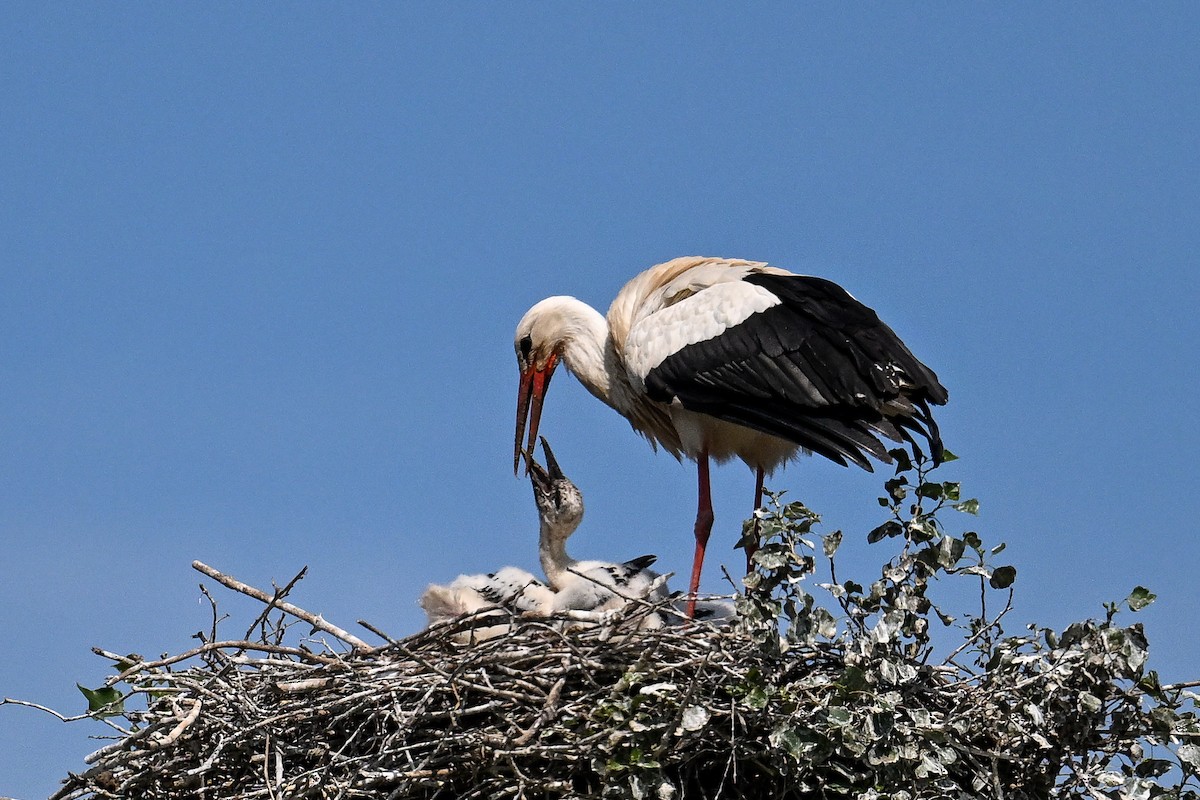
x=260 y=269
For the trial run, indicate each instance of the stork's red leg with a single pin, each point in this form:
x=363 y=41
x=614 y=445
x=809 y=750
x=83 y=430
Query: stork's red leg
x=704 y=523
x=752 y=547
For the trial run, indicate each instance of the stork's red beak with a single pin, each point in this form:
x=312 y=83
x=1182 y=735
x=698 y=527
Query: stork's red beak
x=534 y=381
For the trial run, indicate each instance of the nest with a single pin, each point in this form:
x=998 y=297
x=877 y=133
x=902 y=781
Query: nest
x=439 y=714
x=574 y=707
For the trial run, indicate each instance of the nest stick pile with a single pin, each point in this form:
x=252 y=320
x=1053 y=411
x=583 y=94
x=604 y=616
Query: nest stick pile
x=422 y=717
x=573 y=708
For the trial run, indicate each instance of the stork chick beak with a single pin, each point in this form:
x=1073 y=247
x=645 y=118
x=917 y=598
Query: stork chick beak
x=537 y=474
x=534 y=381
x=555 y=473
x=542 y=478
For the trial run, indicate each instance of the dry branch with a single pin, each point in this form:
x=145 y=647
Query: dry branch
x=275 y=602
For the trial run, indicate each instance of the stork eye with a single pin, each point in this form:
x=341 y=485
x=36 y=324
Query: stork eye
x=526 y=346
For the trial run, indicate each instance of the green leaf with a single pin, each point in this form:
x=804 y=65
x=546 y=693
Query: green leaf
x=1002 y=577
x=1139 y=598
x=895 y=488
x=967 y=506
x=853 y=680
x=931 y=490
x=1153 y=767
x=1190 y=755
x=787 y=740
x=950 y=551
x=946 y=619
x=831 y=543
x=838 y=715
x=1151 y=685
x=756 y=698
x=824 y=623
x=694 y=718
x=887 y=529
x=923 y=529
x=770 y=559
x=903 y=462
x=104 y=702
x=947 y=456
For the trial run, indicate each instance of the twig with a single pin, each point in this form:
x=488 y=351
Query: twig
x=301 y=686
x=547 y=709
x=1171 y=687
x=12 y=702
x=274 y=601
x=62 y=718
x=170 y=739
x=233 y=644
x=986 y=626
x=376 y=631
x=553 y=697
x=299 y=613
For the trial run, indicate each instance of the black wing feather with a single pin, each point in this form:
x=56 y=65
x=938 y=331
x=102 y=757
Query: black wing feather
x=623 y=573
x=819 y=369
x=640 y=563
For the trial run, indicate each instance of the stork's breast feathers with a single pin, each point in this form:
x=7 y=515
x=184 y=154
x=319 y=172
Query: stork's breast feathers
x=683 y=316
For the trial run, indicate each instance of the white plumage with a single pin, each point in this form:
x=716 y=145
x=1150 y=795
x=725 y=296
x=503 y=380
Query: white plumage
x=507 y=591
x=672 y=327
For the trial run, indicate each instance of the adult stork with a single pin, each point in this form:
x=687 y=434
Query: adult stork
x=712 y=358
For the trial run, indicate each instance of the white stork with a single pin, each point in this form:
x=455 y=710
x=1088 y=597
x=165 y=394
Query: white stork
x=714 y=358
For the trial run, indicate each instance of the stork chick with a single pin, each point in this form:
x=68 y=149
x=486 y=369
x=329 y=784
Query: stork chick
x=589 y=585
x=511 y=588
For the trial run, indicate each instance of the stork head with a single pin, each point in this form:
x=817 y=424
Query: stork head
x=541 y=336
x=559 y=501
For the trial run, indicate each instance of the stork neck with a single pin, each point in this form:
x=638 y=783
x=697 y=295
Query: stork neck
x=552 y=552
x=584 y=349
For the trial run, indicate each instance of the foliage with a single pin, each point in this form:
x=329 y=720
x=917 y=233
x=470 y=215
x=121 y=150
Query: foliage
x=824 y=688
x=1039 y=714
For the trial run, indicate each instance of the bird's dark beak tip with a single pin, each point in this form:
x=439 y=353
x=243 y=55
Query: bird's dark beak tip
x=551 y=462
x=536 y=473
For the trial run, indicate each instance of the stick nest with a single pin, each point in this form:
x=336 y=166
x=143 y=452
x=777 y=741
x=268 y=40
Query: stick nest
x=559 y=708
x=541 y=711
